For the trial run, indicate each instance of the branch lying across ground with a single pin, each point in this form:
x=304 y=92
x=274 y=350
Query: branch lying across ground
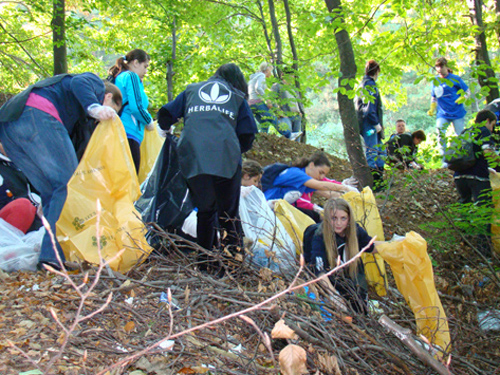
x=258 y=306
x=405 y=336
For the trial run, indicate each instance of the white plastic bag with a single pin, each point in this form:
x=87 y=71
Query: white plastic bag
x=261 y=225
x=17 y=250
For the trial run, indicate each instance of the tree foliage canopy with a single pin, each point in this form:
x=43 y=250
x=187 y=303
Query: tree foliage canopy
x=404 y=36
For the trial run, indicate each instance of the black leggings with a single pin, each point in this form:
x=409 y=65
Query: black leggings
x=218 y=201
x=135 y=149
x=311 y=213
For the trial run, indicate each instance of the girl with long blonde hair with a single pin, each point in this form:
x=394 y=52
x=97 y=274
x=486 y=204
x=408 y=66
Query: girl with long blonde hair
x=334 y=241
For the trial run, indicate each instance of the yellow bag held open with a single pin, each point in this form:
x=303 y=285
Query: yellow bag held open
x=150 y=148
x=294 y=221
x=412 y=270
x=366 y=214
x=106 y=172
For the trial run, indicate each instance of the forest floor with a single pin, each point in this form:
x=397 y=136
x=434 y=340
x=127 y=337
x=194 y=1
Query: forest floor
x=137 y=316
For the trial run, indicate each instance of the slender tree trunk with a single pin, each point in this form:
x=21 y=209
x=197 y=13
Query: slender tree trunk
x=497 y=22
x=295 y=67
x=170 y=65
x=59 y=38
x=264 y=28
x=482 y=57
x=346 y=106
x=277 y=37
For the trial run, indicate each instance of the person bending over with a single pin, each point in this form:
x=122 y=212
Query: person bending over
x=402 y=149
x=305 y=176
x=251 y=173
x=218 y=128
x=34 y=131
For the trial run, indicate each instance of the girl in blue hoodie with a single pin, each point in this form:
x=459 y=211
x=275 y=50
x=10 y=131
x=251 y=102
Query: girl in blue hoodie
x=127 y=74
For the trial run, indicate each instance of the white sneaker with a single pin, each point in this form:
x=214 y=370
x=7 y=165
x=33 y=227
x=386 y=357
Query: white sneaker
x=295 y=135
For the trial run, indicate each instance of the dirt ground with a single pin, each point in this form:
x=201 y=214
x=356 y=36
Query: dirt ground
x=138 y=313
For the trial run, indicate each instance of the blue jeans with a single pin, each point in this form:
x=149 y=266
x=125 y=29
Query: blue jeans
x=375 y=155
x=284 y=126
x=266 y=119
x=296 y=123
x=40 y=146
x=442 y=125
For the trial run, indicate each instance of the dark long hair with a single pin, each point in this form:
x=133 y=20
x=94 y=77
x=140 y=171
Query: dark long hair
x=319 y=158
x=232 y=74
x=121 y=64
x=371 y=68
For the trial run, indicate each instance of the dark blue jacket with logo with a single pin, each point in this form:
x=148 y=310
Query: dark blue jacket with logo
x=218 y=128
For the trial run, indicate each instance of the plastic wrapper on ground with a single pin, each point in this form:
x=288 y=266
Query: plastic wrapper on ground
x=105 y=173
x=412 y=270
x=19 y=251
x=366 y=214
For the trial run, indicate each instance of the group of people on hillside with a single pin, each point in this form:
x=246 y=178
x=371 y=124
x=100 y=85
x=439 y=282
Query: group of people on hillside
x=36 y=125
x=448 y=93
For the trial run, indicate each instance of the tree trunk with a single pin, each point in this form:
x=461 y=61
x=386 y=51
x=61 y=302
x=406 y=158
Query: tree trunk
x=482 y=57
x=347 y=111
x=170 y=65
x=497 y=22
x=59 y=38
x=277 y=37
x=295 y=67
x=266 y=34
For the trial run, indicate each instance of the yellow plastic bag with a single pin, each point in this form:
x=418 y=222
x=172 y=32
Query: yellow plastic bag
x=150 y=148
x=106 y=172
x=294 y=221
x=495 y=225
x=412 y=270
x=366 y=214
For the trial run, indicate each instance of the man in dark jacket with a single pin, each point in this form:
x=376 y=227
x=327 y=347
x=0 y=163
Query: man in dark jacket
x=402 y=147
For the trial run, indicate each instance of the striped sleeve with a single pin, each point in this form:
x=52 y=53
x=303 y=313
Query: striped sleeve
x=137 y=99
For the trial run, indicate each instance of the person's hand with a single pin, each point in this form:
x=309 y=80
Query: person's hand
x=101 y=112
x=245 y=190
x=317 y=208
x=292 y=196
x=378 y=128
x=351 y=181
x=348 y=188
x=432 y=111
x=151 y=126
x=163 y=133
